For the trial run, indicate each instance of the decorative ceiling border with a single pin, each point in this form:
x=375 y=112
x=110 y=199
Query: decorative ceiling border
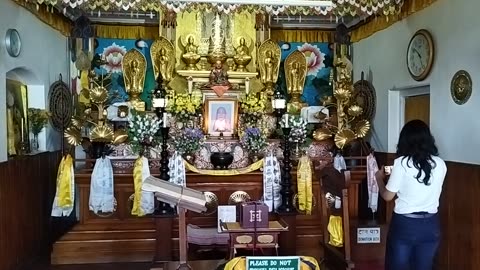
x=334 y=8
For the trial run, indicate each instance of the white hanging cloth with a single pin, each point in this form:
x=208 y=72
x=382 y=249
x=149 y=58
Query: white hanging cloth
x=177 y=170
x=148 y=198
x=101 y=187
x=372 y=169
x=339 y=163
x=271 y=182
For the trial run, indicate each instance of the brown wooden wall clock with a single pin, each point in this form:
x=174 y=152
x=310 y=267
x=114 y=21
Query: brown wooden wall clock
x=420 y=54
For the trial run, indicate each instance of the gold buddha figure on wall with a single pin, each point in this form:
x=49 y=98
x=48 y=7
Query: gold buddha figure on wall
x=295 y=73
x=269 y=54
x=134 y=66
x=162 y=53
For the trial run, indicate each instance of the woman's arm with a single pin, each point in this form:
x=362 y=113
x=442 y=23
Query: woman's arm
x=384 y=192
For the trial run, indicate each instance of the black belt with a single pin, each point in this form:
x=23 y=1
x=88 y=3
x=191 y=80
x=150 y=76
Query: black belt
x=419 y=215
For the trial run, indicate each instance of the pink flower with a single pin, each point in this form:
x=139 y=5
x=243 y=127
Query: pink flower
x=314 y=58
x=113 y=55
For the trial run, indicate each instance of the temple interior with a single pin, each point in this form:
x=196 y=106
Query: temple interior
x=228 y=134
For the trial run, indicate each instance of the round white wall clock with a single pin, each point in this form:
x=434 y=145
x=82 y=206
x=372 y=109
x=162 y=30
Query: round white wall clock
x=420 y=55
x=13 y=43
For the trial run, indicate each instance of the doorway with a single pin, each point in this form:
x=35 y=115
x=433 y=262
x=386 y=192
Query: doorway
x=405 y=104
x=417 y=107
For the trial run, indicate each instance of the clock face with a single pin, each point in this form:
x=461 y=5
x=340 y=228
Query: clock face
x=420 y=55
x=13 y=43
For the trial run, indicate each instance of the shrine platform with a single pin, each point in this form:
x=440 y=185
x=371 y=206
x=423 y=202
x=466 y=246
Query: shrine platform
x=121 y=237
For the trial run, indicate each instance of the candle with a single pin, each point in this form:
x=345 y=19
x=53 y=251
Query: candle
x=164 y=120
x=247 y=85
x=22 y=130
x=190 y=85
x=286 y=120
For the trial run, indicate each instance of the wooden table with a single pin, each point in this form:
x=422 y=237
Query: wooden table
x=243 y=238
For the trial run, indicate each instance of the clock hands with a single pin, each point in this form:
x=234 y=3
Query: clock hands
x=416 y=51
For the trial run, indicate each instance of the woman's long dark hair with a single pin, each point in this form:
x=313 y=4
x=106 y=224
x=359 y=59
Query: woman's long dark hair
x=417 y=144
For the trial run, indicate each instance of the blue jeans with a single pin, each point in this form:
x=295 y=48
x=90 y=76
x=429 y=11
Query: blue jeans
x=412 y=243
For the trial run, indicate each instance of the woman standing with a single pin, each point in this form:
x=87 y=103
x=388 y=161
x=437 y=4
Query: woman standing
x=416 y=179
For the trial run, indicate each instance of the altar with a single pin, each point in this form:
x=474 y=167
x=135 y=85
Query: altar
x=227 y=116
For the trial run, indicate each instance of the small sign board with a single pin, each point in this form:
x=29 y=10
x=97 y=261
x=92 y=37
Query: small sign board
x=273 y=263
x=369 y=235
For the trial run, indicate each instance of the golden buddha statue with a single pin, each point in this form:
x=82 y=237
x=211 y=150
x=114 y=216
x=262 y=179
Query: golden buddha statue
x=134 y=67
x=269 y=64
x=190 y=56
x=242 y=56
x=162 y=53
x=296 y=72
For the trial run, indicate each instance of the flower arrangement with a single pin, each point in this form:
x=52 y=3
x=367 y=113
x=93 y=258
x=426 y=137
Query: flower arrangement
x=38 y=119
x=253 y=107
x=189 y=141
x=142 y=131
x=298 y=134
x=183 y=106
x=254 y=140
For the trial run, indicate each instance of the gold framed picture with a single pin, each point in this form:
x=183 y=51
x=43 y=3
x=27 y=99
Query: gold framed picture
x=221 y=116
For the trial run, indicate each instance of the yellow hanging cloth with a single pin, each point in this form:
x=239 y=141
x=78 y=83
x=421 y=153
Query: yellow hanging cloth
x=336 y=231
x=137 y=183
x=304 y=185
x=64 y=182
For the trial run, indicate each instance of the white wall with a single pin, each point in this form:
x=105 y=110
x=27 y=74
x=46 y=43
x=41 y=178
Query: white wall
x=44 y=53
x=456 y=32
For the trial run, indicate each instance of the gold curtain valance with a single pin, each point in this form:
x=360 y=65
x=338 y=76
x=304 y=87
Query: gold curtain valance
x=126 y=31
x=291 y=35
x=253 y=167
x=381 y=23
x=49 y=16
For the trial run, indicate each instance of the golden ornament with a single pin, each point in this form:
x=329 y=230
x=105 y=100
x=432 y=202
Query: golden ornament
x=98 y=95
x=119 y=136
x=77 y=122
x=343 y=137
x=361 y=128
x=73 y=136
x=342 y=94
x=322 y=134
x=212 y=203
x=101 y=133
x=355 y=110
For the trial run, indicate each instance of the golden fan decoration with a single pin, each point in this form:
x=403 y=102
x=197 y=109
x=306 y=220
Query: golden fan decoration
x=343 y=137
x=119 y=136
x=322 y=134
x=238 y=197
x=348 y=123
x=101 y=133
x=362 y=128
x=73 y=136
x=355 y=110
x=342 y=93
x=98 y=94
x=212 y=203
x=78 y=122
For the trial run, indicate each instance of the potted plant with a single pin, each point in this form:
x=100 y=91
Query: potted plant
x=142 y=132
x=188 y=142
x=38 y=119
x=254 y=141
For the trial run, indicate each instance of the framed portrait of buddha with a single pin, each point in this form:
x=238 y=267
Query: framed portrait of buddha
x=221 y=117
